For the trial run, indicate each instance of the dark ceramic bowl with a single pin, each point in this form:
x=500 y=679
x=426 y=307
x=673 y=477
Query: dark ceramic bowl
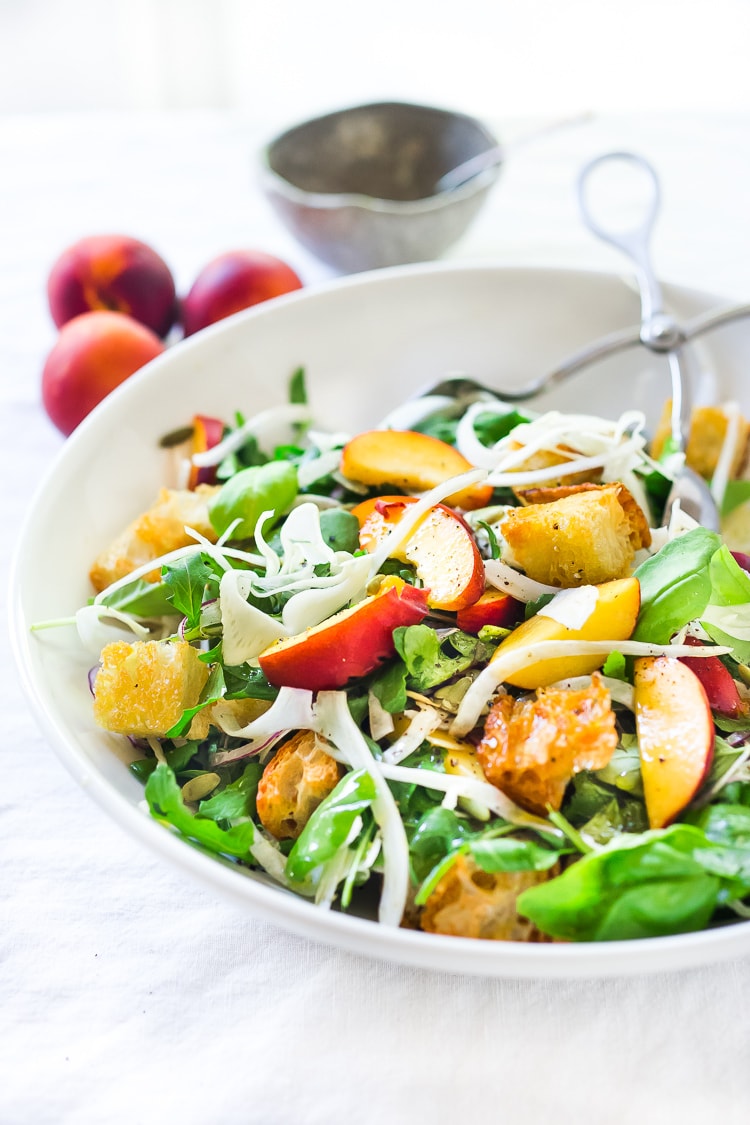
x=359 y=187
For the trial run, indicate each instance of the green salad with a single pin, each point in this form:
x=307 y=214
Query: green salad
x=452 y=671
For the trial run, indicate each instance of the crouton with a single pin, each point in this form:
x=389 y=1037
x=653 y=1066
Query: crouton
x=588 y=535
x=158 y=530
x=471 y=902
x=143 y=688
x=708 y=431
x=532 y=746
x=294 y=783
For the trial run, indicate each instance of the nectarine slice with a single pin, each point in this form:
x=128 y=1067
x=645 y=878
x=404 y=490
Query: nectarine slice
x=675 y=735
x=718 y=683
x=492 y=608
x=350 y=644
x=613 y=618
x=411 y=461
x=207 y=432
x=441 y=548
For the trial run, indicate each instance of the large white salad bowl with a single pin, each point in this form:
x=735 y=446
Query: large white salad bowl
x=366 y=343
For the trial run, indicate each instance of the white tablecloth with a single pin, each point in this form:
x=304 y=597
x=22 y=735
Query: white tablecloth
x=128 y=994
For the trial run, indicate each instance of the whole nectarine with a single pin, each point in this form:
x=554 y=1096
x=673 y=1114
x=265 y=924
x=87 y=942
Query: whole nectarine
x=94 y=353
x=116 y=273
x=232 y=282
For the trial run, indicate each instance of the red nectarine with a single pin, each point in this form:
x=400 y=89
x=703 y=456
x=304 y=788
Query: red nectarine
x=232 y=282
x=441 y=548
x=115 y=273
x=350 y=644
x=94 y=353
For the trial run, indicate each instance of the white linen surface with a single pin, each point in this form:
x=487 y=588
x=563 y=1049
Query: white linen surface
x=129 y=993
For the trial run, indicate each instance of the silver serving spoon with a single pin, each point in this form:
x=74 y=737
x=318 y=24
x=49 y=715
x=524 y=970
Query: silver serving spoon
x=659 y=332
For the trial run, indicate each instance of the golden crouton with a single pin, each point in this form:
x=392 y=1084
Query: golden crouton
x=532 y=746
x=244 y=711
x=546 y=458
x=588 y=535
x=160 y=529
x=471 y=902
x=708 y=431
x=143 y=688
x=294 y=783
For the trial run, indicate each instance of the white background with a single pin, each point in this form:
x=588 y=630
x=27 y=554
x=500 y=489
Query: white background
x=285 y=58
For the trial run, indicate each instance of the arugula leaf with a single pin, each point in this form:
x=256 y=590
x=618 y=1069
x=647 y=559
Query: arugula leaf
x=167 y=806
x=330 y=826
x=142 y=599
x=236 y=800
x=675 y=585
x=438 y=833
x=426 y=659
x=389 y=687
x=615 y=666
x=647 y=885
x=186 y=582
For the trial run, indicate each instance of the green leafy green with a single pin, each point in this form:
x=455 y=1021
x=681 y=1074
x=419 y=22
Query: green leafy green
x=389 y=687
x=166 y=804
x=737 y=492
x=430 y=661
x=142 y=599
x=186 y=581
x=438 y=833
x=675 y=585
x=508 y=853
x=339 y=529
x=329 y=827
x=251 y=492
x=665 y=881
x=237 y=799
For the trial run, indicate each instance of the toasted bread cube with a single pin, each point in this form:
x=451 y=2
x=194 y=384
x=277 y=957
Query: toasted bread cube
x=708 y=431
x=158 y=530
x=143 y=688
x=294 y=783
x=533 y=746
x=587 y=536
x=471 y=902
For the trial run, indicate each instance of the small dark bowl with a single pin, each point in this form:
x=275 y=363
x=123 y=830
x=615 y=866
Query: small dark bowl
x=358 y=187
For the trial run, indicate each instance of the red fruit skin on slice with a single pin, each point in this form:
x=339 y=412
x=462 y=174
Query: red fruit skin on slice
x=720 y=688
x=347 y=646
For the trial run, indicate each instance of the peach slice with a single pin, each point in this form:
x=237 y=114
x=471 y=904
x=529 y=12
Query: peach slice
x=207 y=432
x=675 y=735
x=350 y=644
x=492 y=608
x=612 y=619
x=441 y=548
x=412 y=461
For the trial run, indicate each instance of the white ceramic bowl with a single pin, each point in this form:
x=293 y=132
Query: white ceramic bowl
x=366 y=343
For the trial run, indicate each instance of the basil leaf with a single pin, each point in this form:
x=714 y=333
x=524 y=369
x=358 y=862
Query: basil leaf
x=645 y=886
x=675 y=585
x=251 y=492
x=505 y=853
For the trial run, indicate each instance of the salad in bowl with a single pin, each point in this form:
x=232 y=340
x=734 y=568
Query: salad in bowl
x=453 y=670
